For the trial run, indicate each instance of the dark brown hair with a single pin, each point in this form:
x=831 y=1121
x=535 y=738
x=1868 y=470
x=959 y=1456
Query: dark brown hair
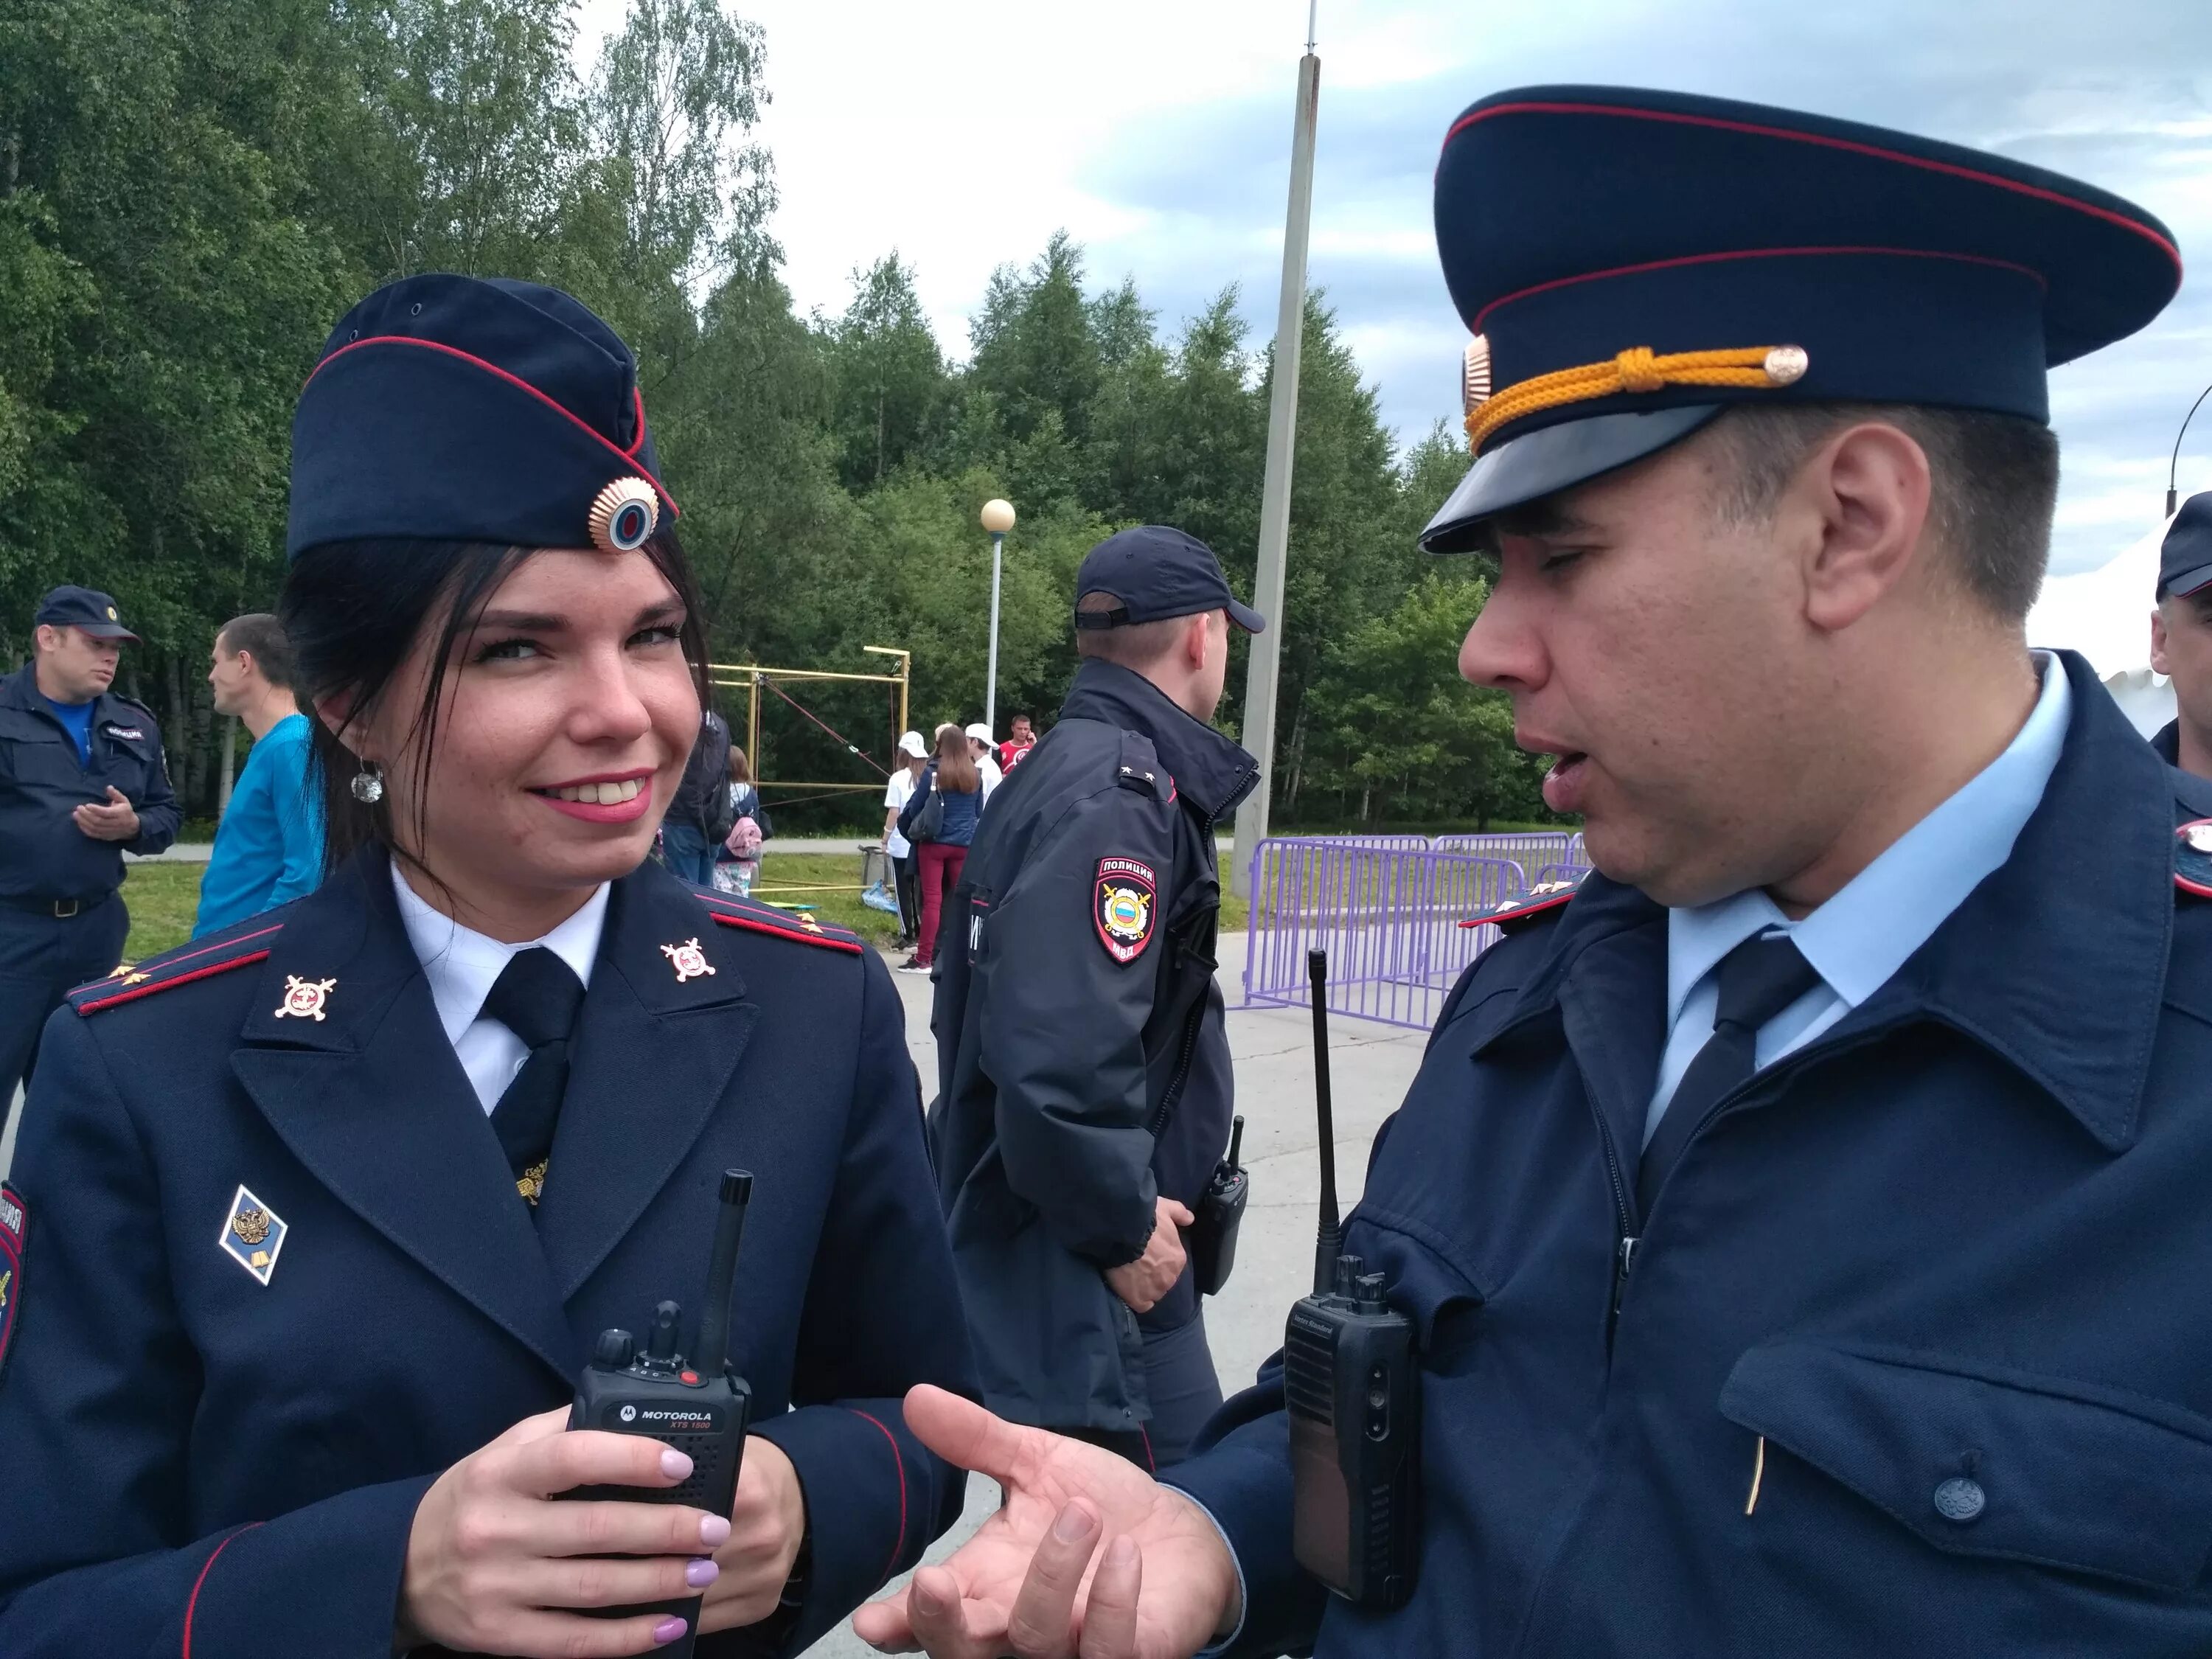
x=355 y=611
x=956 y=771
x=262 y=637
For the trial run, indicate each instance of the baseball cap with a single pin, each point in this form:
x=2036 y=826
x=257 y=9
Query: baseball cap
x=911 y=743
x=86 y=608
x=2185 y=558
x=1157 y=573
x=979 y=731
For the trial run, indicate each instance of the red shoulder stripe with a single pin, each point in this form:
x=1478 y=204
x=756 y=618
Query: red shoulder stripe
x=96 y=1003
x=729 y=919
x=1534 y=907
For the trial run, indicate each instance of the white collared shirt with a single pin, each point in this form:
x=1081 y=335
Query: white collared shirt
x=461 y=965
x=1863 y=935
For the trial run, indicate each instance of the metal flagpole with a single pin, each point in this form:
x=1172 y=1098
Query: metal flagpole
x=991 y=687
x=1275 y=492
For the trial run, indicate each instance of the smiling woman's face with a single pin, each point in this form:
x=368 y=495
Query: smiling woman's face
x=568 y=714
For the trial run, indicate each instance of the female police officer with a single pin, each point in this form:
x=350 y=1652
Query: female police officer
x=316 y=1218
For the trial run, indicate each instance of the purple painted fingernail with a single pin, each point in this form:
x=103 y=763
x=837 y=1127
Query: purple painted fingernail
x=714 y=1531
x=667 y=1630
x=674 y=1464
x=701 y=1573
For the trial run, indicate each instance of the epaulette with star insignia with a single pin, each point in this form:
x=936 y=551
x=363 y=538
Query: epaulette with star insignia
x=2192 y=858
x=237 y=947
x=1543 y=899
x=754 y=917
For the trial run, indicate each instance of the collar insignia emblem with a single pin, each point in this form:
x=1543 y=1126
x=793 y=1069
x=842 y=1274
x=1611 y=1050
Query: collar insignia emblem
x=808 y=922
x=304 y=997
x=688 y=959
x=2192 y=858
x=530 y=1183
x=252 y=1234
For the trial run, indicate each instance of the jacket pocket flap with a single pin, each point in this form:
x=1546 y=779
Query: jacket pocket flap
x=1985 y=1462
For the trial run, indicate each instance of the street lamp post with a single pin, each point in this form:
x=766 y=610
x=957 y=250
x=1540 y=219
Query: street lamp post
x=997 y=519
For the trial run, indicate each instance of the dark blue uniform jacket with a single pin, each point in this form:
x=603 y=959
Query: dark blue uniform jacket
x=43 y=854
x=1963 y=1237
x=198 y=1463
x=1082 y=1074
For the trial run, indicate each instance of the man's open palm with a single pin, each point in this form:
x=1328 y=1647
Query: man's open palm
x=1033 y=1580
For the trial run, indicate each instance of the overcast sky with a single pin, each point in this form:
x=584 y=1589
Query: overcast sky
x=963 y=132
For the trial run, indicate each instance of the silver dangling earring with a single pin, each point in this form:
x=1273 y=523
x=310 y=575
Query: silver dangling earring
x=368 y=785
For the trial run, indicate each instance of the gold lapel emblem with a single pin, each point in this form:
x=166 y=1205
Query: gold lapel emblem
x=304 y=997
x=808 y=922
x=252 y=1234
x=530 y=1183
x=688 y=959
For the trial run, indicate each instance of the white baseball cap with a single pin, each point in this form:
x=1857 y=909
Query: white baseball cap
x=979 y=731
x=911 y=744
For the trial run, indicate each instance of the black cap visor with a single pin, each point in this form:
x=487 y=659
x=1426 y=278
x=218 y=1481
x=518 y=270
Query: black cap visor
x=2187 y=582
x=106 y=631
x=1554 y=458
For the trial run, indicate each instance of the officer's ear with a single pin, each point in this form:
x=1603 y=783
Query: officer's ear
x=1856 y=516
x=2158 y=663
x=336 y=713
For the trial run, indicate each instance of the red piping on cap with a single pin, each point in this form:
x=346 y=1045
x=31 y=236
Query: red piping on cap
x=1752 y=253
x=553 y=404
x=1856 y=147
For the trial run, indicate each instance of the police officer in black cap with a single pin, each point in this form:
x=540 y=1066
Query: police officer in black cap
x=81 y=779
x=314 y=1221
x=1085 y=1094
x=2181 y=636
x=1801 y=1225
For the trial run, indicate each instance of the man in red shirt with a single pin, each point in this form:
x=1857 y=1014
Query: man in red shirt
x=1025 y=736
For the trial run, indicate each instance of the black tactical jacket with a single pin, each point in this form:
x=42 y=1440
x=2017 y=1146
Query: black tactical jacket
x=1083 y=1069
x=43 y=854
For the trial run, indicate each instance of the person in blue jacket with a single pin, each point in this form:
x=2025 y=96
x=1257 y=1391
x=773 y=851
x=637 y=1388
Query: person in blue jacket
x=1801 y=1225
x=313 y=1221
x=268 y=846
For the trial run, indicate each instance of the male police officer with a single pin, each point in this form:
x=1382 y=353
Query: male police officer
x=82 y=778
x=2181 y=636
x=1084 y=1073
x=1804 y=1226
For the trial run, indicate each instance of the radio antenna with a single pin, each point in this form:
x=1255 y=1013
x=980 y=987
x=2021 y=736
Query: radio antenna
x=1329 y=1241
x=722 y=1272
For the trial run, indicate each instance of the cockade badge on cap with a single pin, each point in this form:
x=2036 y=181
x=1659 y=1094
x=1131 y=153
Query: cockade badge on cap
x=624 y=516
x=304 y=997
x=252 y=1234
x=688 y=959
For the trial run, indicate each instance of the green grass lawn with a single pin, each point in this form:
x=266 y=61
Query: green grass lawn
x=164 y=897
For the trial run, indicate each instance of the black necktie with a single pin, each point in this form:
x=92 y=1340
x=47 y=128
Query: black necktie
x=1758 y=980
x=535 y=996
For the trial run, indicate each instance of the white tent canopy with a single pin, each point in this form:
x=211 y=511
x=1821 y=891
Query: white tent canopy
x=2105 y=614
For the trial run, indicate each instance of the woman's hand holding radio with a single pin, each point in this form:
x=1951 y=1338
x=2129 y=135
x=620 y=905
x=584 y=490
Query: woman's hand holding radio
x=768 y=1523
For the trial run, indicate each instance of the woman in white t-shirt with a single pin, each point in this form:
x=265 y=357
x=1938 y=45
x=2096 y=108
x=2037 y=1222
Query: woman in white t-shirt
x=914 y=756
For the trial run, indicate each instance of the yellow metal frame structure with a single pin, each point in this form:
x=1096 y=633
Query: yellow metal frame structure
x=753 y=677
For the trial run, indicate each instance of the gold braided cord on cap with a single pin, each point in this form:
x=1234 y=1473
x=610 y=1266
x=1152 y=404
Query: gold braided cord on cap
x=1636 y=369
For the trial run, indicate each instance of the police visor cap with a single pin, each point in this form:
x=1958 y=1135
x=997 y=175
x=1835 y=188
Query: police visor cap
x=478 y=410
x=1157 y=573
x=1631 y=263
x=2185 y=558
x=85 y=608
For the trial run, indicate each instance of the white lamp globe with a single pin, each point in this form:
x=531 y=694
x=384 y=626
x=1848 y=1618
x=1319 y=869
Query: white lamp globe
x=998 y=517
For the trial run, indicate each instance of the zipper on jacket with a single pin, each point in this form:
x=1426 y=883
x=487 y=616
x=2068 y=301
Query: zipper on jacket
x=1624 y=1219
x=1173 y=1093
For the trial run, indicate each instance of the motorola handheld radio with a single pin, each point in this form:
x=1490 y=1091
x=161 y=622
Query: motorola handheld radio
x=1212 y=1237
x=1352 y=1385
x=701 y=1407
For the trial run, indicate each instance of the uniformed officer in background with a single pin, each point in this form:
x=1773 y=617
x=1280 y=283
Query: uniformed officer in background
x=2181 y=636
x=82 y=778
x=316 y=1218
x=1804 y=1223
x=1083 y=1086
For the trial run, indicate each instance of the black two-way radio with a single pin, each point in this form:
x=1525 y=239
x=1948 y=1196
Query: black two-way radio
x=701 y=1407
x=1352 y=1387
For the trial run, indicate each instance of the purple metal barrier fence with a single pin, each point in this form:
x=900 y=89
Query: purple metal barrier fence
x=1526 y=847
x=1388 y=918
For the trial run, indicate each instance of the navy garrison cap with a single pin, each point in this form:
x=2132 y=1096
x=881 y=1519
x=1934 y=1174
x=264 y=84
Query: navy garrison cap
x=1156 y=572
x=2185 y=558
x=1630 y=263
x=471 y=408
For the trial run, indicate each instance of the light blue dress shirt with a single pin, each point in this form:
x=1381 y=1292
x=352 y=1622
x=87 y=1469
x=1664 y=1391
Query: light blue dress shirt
x=1862 y=936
